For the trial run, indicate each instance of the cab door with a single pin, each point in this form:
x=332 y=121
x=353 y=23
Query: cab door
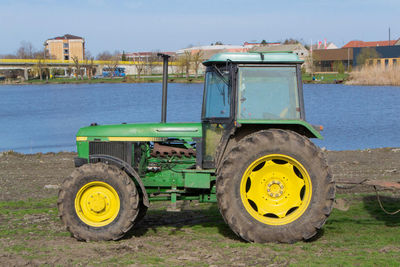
x=217 y=115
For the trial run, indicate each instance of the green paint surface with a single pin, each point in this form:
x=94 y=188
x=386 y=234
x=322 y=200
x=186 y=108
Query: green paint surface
x=310 y=129
x=257 y=58
x=174 y=130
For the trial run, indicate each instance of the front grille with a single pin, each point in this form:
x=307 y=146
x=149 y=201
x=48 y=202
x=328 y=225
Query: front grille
x=121 y=150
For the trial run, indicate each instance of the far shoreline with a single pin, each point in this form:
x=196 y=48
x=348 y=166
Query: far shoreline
x=104 y=80
x=320 y=78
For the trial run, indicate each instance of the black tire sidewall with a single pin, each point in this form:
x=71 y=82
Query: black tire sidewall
x=251 y=229
x=127 y=194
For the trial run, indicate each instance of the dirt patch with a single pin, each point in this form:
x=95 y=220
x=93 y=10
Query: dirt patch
x=358 y=165
x=33 y=175
x=39 y=175
x=31 y=233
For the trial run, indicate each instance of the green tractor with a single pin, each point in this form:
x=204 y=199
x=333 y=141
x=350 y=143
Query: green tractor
x=251 y=154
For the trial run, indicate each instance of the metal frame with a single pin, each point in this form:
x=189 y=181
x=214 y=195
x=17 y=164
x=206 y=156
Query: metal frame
x=299 y=82
x=233 y=80
x=231 y=112
x=229 y=121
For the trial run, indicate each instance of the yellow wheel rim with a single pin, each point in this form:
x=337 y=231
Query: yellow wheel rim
x=97 y=204
x=276 y=189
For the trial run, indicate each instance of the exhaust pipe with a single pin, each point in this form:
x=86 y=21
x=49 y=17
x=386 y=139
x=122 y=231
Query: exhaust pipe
x=164 y=87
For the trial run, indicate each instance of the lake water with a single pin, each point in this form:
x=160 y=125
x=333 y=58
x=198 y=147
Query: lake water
x=45 y=118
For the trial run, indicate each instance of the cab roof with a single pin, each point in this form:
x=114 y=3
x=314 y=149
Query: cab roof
x=254 y=57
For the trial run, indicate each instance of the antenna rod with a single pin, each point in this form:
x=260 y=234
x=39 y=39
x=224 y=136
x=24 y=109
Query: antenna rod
x=164 y=87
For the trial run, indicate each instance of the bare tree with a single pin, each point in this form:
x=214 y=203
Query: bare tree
x=180 y=65
x=197 y=58
x=152 y=61
x=186 y=61
x=26 y=50
x=140 y=65
x=77 y=66
x=8 y=56
x=113 y=64
x=88 y=55
x=106 y=55
x=291 y=41
x=311 y=62
x=89 y=65
x=39 y=67
x=173 y=65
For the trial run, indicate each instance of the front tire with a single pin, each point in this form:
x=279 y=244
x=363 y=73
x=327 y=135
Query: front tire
x=98 y=202
x=275 y=186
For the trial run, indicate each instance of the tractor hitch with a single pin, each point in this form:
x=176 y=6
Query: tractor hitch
x=341 y=204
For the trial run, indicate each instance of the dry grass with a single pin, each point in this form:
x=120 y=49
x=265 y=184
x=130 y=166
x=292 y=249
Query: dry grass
x=375 y=75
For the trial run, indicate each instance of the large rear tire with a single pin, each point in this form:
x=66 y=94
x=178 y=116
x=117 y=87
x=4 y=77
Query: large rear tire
x=275 y=186
x=98 y=202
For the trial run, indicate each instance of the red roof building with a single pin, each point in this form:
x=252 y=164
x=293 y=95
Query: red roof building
x=353 y=44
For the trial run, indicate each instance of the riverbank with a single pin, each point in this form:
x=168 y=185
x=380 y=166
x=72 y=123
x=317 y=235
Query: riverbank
x=31 y=234
x=321 y=78
x=127 y=79
x=365 y=76
x=325 y=78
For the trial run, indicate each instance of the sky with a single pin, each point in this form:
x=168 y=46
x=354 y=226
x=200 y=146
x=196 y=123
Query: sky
x=169 y=25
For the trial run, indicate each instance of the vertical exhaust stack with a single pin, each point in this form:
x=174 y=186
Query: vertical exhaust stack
x=164 y=87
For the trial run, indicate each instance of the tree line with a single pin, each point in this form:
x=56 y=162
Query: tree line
x=183 y=64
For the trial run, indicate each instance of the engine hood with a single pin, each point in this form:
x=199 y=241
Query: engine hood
x=140 y=131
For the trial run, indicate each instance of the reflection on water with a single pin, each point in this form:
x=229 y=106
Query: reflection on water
x=44 y=118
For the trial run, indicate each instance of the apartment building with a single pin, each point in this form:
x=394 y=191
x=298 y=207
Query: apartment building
x=65 y=47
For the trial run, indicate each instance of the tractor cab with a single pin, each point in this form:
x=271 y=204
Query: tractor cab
x=250 y=90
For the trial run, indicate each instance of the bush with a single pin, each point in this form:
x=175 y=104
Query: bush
x=340 y=67
x=376 y=75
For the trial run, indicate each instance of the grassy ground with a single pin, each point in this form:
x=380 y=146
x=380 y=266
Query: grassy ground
x=32 y=234
x=307 y=78
x=325 y=78
x=127 y=79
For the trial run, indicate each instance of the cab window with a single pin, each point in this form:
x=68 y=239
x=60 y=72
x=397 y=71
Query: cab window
x=267 y=93
x=217 y=97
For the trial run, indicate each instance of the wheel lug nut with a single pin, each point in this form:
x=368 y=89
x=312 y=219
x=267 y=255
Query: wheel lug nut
x=271 y=194
x=276 y=195
x=269 y=190
x=281 y=192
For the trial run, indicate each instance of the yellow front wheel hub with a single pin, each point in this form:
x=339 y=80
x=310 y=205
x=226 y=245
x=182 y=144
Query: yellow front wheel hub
x=276 y=189
x=97 y=203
